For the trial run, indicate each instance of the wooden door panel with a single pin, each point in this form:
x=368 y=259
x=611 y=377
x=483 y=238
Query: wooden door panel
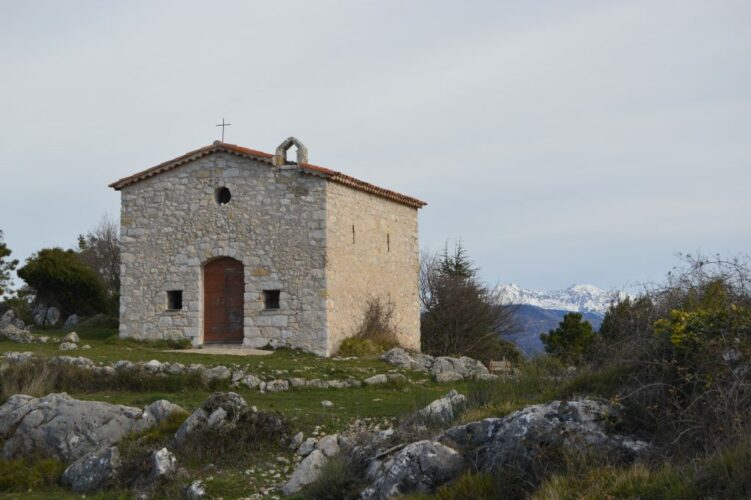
x=223 y=300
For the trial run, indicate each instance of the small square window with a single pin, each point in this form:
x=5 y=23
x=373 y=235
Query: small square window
x=271 y=299
x=174 y=300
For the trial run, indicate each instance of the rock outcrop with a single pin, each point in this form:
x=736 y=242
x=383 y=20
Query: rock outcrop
x=442 y=368
x=93 y=471
x=220 y=412
x=65 y=428
x=418 y=467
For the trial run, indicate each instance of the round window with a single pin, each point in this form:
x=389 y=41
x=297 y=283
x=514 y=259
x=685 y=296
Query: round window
x=222 y=196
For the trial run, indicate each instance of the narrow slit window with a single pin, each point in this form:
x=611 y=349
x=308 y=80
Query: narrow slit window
x=353 y=234
x=174 y=300
x=271 y=299
x=388 y=242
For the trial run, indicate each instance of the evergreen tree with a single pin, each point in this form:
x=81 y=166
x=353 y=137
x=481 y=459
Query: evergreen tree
x=572 y=339
x=7 y=265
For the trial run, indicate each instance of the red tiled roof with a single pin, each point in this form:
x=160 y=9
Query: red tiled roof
x=328 y=174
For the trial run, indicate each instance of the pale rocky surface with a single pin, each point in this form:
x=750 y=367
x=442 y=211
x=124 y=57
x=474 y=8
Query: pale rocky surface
x=306 y=472
x=443 y=367
x=71 y=337
x=61 y=427
x=93 y=471
x=72 y=321
x=196 y=490
x=163 y=464
x=220 y=412
x=418 y=467
x=443 y=410
x=579 y=424
x=67 y=346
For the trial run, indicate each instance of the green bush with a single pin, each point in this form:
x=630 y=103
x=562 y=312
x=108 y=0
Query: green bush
x=355 y=346
x=376 y=333
x=571 y=341
x=59 y=278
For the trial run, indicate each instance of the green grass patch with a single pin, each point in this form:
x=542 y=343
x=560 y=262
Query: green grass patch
x=27 y=474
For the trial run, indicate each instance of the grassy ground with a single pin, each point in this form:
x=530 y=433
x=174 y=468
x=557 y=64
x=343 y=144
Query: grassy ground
x=302 y=407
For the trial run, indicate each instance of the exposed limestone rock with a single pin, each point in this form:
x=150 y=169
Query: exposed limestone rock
x=11 y=332
x=195 y=491
x=218 y=372
x=72 y=321
x=418 y=467
x=306 y=447
x=296 y=441
x=275 y=386
x=442 y=410
x=466 y=367
x=163 y=464
x=61 y=427
x=162 y=409
x=448 y=377
x=93 y=471
x=307 y=472
x=376 y=379
x=67 y=346
x=329 y=445
x=71 y=337
x=220 y=412
x=52 y=316
x=518 y=438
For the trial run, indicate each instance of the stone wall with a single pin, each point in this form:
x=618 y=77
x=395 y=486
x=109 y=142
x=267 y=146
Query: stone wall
x=274 y=224
x=382 y=261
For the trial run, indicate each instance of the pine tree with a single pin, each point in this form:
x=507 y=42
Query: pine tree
x=7 y=265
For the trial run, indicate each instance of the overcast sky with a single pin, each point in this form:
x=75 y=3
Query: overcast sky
x=562 y=142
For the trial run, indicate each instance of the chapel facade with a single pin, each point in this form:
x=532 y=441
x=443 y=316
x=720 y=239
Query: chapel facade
x=231 y=245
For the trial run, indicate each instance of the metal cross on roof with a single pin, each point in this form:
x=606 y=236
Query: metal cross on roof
x=223 y=125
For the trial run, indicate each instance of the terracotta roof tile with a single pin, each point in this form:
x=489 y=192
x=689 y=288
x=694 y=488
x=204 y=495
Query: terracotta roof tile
x=308 y=168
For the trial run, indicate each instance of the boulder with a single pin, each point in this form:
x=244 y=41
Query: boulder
x=464 y=366
x=251 y=381
x=93 y=471
x=376 y=379
x=327 y=404
x=329 y=445
x=278 y=385
x=296 y=441
x=162 y=409
x=13 y=357
x=448 y=377
x=61 y=427
x=71 y=337
x=306 y=447
x=52 y=316
x=80 y=361
x=195 y=491
x=67 y=346
x=153 y=366
x=72 y=321
x=8 y=317
x=39 y=314
x=518 y=439
x=306 y=472
x=220 y=412
x=123 y=365
x=443 y=410
x=163 y=464
x=418 y=467
x=15 y=334
x=218 y=372
x=409 y=361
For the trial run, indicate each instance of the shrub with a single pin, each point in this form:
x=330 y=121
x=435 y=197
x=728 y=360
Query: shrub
x=460 y=314
x=376 y=333
x=7 y=265
x=571 y=341
x=59 y=278
x=255 y=432
x=342 y=476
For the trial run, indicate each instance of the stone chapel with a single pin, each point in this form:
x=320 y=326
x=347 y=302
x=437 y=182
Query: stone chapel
x=231 y=245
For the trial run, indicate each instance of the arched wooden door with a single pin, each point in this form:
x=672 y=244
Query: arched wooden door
x=223 y=300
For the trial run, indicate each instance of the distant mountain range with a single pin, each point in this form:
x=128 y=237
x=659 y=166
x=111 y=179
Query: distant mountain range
x=538 y=312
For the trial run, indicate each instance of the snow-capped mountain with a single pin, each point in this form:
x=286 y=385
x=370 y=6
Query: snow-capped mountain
x=577 y=298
